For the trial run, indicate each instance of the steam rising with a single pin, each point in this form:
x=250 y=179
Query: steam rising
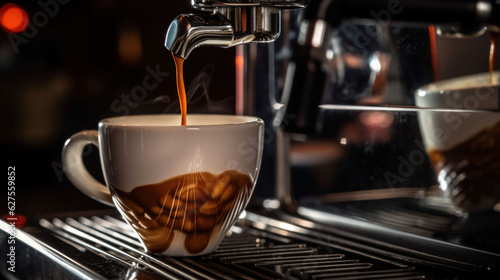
x=197 y=94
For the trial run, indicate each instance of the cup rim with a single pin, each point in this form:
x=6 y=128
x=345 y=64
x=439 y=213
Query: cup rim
x=446 y=86
x=174 y=120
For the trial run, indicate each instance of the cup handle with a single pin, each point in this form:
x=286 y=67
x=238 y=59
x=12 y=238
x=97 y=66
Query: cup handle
x=75 y=170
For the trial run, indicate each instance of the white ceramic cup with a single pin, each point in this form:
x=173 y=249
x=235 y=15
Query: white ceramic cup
x=460 y=174
x=145 y=150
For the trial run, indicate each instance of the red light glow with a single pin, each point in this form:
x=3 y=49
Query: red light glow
x=13 y=18
x=16 y=220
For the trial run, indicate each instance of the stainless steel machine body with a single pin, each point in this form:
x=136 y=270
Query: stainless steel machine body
x=335 y=65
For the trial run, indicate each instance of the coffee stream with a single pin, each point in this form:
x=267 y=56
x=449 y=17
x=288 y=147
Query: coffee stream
x=181 y=89
x=195 y=204
x=434 y=55
x=494 y=36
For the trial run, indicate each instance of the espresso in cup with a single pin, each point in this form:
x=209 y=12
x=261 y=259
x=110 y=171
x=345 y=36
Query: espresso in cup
x=191 y=206
x=180 y=188
x=462 y=139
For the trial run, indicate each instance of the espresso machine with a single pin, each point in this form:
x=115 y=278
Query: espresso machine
x=327 y=53
x=346 y=189
x=335 y=84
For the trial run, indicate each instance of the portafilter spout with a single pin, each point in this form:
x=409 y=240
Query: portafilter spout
x=232 y=22
x=189 y=31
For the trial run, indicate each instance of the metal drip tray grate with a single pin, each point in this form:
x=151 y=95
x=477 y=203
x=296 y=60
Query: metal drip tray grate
x=103 y=247
x=480 y=230
x=257 y=247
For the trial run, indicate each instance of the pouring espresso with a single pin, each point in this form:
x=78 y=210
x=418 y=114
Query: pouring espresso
x=181 y=89
x=494 y=36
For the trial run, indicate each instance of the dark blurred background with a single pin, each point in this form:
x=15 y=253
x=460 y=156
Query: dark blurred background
x=78 y=62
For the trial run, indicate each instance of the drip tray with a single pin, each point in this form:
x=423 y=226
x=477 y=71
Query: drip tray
x=259 y=246
x=430 y=216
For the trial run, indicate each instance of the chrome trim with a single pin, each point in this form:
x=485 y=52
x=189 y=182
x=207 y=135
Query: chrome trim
x=53 y=254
